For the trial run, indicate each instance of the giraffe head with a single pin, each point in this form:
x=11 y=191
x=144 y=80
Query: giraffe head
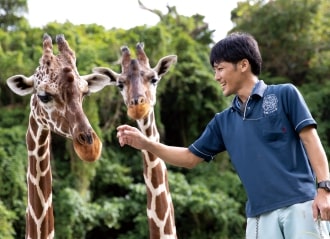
x=57 y=92
x=138 y=81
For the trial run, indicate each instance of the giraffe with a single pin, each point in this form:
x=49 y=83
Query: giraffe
x=137 y=84
x=57 y=93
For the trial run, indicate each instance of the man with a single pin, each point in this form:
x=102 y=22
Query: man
x=271 y=138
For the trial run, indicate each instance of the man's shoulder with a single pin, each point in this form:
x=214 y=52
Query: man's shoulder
x=281 y=89
x=282 y=86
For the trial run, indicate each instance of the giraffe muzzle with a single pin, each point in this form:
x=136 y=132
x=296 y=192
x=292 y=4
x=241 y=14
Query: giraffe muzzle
x=138 y=111
x=85 y=138
x=88 y=146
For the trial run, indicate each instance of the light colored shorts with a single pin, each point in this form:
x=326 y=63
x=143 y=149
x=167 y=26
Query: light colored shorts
x=293 y=222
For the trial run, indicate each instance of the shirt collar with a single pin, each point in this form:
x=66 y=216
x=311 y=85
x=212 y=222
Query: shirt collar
x=258 y=90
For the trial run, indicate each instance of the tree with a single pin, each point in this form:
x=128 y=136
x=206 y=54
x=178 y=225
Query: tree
x=290 y=35
x=12 y=13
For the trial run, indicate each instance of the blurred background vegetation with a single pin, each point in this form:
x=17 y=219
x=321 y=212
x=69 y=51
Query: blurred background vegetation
x=107 y=199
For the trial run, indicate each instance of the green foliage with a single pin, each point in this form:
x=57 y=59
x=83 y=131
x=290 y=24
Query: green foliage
x=6 y=222
x=189 y=84
x=317 y=97
x=75 y=217
x=286 y=34
x=14 y=14
x=13 y=163
x=204 y=212
x=12 y=170
x=111 y=175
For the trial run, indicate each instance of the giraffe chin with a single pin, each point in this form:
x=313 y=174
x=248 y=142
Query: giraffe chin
x=138 y=111
x=88 y=152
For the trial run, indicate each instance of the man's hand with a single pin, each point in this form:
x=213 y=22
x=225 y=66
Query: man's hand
x=128 y=135
x=321 y=205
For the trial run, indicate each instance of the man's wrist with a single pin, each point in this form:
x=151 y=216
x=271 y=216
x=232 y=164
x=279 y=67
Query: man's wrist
x=325 y=185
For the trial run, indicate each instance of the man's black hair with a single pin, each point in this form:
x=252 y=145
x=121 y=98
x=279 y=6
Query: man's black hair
x=236 y=47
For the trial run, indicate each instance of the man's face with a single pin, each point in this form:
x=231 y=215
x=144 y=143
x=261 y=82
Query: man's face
x=229 y=77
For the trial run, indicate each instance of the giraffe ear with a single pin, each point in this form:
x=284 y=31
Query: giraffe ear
x=21 y=85
x=112 y=75
x=164 y=64
x=96 y=82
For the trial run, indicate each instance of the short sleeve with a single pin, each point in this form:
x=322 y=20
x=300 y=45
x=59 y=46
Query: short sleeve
x=210 y=142
x=296 y=108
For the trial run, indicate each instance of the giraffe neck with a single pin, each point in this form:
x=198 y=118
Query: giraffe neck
x=39 y=215
x=160 y=208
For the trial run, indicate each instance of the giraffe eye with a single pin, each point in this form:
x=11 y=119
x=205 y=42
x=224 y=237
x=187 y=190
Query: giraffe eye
x=45 y=98
x=154 y=81
x=120 y=85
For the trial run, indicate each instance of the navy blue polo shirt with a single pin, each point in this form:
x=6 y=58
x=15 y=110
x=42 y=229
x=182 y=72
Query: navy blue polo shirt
x=264 y=146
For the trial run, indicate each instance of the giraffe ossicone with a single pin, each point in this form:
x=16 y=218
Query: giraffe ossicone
x=138 y=83
x=57 y=91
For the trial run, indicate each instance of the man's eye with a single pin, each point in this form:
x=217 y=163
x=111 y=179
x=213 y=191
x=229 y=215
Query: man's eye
x=45 y=98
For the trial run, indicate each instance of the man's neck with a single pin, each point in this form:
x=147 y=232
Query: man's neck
x=247 y=89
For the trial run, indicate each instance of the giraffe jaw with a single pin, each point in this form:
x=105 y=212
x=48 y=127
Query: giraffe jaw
x=89 y=152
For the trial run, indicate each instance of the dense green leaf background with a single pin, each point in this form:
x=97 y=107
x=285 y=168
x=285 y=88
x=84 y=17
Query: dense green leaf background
x=107 y=199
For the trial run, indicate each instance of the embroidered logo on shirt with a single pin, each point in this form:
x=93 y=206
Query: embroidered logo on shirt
x=269 y=104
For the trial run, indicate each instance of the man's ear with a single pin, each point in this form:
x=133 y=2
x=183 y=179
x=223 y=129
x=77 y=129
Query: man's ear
x=244 y=64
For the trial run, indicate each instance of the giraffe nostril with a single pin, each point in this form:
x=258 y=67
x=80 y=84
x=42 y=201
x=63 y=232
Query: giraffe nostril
x=137 y=101
x=133 y=102
x=85 y=138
